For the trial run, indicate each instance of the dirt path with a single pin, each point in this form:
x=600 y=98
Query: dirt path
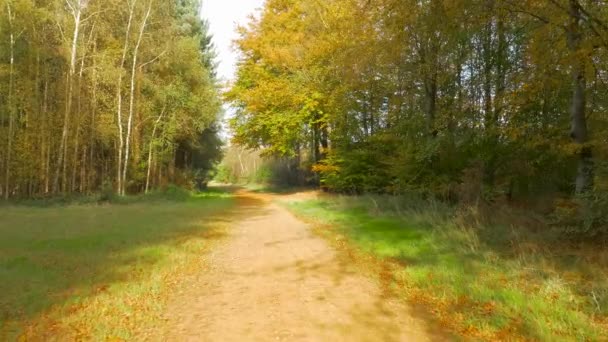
x=272 y=279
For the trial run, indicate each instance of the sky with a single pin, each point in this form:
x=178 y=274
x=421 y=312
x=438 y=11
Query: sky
x=224 y=16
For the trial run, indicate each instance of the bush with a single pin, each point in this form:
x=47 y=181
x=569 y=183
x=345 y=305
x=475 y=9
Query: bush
x=176 y=193
x=361 y=169
x=107 y=193
x=264 y=175
x=224 y=174
x=171 y=193
x=586 y=216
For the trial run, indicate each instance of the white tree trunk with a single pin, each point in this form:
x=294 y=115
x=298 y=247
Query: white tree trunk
x=132 y=99
x=47 y=139
x=92 y=137
x=151 y=148
x=62 y=162
x=7 y=174
x=121 y=142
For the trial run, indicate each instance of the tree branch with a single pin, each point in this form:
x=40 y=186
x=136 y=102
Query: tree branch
x=153 y=60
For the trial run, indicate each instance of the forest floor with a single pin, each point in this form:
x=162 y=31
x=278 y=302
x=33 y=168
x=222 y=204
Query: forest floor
x=272 y=278
x=235 y=265
x=222 y=266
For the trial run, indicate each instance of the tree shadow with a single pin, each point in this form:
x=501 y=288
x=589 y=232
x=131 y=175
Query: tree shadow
x=53 y=257
x=508 y=279
x=387 y=318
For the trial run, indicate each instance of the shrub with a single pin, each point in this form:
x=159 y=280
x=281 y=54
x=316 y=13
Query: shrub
x=107 y=193
x=360 y=169
x=585 y=217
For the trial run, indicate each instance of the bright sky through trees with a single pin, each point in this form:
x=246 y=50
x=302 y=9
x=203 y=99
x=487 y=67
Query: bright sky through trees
x=224 y=16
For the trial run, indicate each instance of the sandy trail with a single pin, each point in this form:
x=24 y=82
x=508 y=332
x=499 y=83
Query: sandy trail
x=272 y=279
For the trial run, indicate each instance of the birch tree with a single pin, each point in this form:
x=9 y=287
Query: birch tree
x=76 y=8
x=151 y=148
x=132 y=97
x=79 y=100
x=119 y=178
x=11 y=109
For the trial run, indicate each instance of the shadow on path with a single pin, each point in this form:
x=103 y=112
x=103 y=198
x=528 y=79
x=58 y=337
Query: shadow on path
x=59 y=256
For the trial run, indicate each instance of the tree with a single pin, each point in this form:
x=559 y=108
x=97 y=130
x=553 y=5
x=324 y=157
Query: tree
x=416 y=95
x=69 y=120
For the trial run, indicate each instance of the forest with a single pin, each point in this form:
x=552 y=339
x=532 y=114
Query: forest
x=472 y=101
x=105 y=95
x=356 y=170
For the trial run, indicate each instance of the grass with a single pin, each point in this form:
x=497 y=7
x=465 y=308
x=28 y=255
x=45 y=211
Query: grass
x=483 y=279
x=100 y=271
x=275 y=189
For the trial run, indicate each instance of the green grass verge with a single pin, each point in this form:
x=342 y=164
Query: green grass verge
x=274 y=189
x=171 y=193
x=489 y=282
x=99 y=271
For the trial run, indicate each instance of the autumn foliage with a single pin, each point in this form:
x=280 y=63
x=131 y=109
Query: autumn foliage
x=394 y=96
x=96 y=94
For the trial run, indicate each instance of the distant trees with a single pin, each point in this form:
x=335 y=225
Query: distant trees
x=244 y=166
x=404 y=95
x=103 y=92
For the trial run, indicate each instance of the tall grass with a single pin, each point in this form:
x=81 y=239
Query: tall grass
x=482 y=273
x=99 y=272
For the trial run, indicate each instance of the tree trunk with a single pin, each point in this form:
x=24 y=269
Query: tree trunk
x=47 y=162
x=151 y=148
x=132 y=99
x=93 y=130
x=430 y=108
x=119 y=97
x=324 y=141
x=9 y=149
x=63 y=148
x=579 y=132
x=492 y=74
x=430 y=56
